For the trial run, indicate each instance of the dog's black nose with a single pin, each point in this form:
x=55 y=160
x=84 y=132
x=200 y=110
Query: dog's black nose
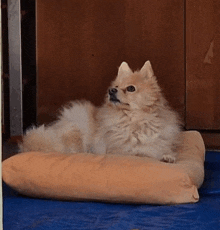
x=112 y=91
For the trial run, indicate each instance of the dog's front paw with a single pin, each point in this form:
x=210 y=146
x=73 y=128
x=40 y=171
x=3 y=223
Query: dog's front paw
x=168 y=159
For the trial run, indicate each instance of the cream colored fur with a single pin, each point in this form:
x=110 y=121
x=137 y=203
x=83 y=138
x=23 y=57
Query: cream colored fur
x=139 y=122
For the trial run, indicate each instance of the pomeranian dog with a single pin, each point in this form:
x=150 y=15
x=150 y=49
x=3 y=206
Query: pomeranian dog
x=134 y=120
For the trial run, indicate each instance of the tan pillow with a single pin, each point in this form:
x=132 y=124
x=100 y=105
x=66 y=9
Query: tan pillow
x=111 y=178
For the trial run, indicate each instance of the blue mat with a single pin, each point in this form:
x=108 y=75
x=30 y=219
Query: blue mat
x=21 y=212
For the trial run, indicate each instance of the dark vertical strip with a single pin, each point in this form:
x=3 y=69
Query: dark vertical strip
x=185 y=64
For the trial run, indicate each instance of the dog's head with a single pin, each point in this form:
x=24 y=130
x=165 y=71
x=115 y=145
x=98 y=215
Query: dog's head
x=134 y=90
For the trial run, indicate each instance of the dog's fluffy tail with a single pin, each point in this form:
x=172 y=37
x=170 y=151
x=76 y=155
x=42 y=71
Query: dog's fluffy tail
x=73 y=132
x=37 y=139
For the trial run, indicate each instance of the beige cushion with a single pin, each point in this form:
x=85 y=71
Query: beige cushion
x=111 y=178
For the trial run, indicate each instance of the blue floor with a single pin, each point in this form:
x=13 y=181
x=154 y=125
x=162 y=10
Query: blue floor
x=21 y=212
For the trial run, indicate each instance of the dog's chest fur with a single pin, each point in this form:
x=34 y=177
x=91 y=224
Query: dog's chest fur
x=129 y=131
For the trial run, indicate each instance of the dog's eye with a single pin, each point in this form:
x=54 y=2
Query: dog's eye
x=130 y=88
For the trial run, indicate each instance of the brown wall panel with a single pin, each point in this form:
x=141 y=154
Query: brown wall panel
x=203 y=59
x=80 y=44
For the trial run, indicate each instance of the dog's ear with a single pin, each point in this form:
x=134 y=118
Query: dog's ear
x=147 y=70
x=124 y=69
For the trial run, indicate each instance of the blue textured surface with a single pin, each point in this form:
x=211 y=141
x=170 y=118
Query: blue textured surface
x=27 y=213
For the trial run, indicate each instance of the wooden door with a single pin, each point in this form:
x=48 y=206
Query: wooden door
x=80 y=44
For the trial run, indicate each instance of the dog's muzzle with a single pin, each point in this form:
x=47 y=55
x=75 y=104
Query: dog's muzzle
x=112 y=93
